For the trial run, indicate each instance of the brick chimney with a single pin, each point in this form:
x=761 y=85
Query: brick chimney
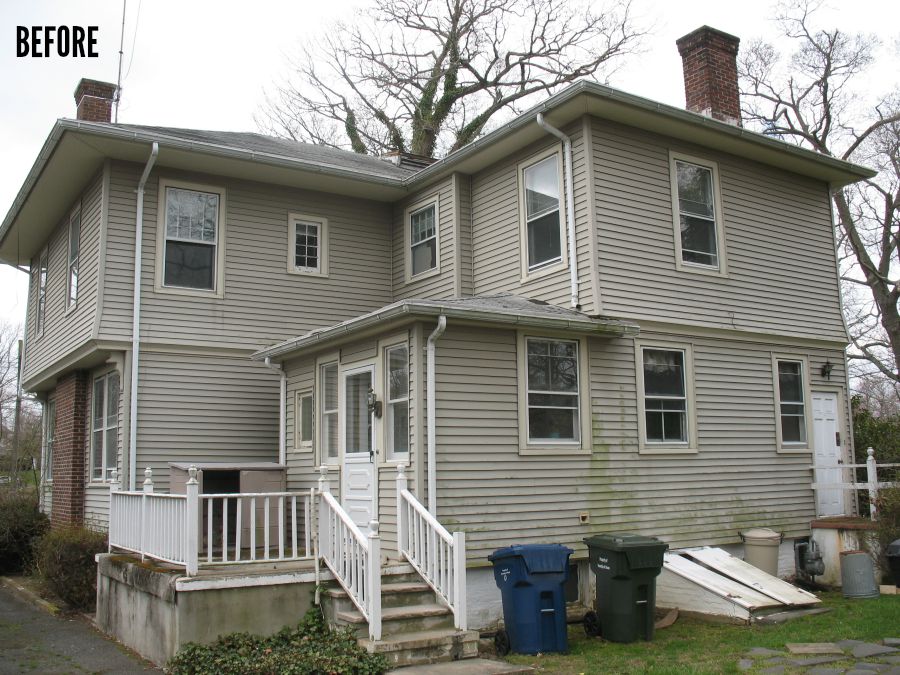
x=94 y=100
x=709 y=58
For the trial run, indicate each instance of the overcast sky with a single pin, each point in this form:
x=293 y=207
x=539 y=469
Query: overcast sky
x=207 y=65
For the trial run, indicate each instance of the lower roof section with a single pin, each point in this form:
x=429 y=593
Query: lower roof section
x=506 y=310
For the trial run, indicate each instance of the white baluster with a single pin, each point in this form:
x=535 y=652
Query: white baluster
x=238 y=524
x=872 y=480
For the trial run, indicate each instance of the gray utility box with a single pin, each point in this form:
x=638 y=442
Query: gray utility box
x=234 y=477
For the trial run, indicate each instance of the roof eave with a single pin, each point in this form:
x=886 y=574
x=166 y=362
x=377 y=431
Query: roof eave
x=413 y=311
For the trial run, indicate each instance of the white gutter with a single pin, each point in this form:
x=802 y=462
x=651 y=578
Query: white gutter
x=136 y=319
x=570 y=206
x=282 y=412
x=430 y=408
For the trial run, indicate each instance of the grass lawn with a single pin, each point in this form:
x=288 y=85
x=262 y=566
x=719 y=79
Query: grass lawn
x=691 y=646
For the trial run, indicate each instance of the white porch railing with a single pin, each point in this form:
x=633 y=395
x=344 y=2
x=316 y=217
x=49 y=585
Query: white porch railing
x=197 y=530
x=871 y=485
x=438 y=556
x=353 y=558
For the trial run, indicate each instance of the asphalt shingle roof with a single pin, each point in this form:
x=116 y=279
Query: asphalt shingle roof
x=318 y=154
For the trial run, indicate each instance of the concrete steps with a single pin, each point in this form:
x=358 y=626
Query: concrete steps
x=416 y=627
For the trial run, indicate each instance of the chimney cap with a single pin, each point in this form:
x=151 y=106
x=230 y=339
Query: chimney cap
x=702 y=34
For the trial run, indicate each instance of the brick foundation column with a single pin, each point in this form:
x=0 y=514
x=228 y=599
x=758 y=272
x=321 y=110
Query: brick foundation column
x=70 y=446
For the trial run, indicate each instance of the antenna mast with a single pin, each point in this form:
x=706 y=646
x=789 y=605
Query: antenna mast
x=119 y=79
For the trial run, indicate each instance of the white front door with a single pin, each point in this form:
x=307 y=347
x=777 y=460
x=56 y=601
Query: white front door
x=359 y=484
x=827 y=453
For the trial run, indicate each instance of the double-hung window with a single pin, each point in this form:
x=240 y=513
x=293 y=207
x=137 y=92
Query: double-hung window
x=397 y=413
x=308 y=245
x=667 y=420
x=41 y=292
x=423 y=239
x=74 y=251
x=104 y=425
x=542 y=214
x=328 y=401
x=191 y=238
x=791 y=403
x=553 y=391
x=698 y=219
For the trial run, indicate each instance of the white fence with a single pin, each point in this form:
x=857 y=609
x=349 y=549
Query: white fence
x=197 y=530
x=353 y=557
x=871 y=485
x=438 y=556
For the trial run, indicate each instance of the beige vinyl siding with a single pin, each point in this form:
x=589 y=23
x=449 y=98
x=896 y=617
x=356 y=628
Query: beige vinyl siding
x=64 y=332
x=263 y=303
x=205 y=408
x=779 y=242
x=443 y=284
x=736 y=480
x=463 y=187
x=96 y=505
x=496 y=229
x=303 y=470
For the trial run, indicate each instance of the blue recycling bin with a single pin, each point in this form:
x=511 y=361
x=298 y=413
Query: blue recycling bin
x=531 y=579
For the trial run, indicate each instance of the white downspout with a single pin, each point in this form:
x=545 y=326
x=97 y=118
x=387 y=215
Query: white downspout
x=282 y=412
x=570 y=206
x=430 y=408
x=136 y=319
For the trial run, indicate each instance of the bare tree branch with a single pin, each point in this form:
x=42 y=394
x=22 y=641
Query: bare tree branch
x=431 y=76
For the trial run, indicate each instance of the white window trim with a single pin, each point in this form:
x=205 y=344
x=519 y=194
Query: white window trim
x=385 y=344
x=219 y=278
x=722 y=269
x=301 y=445
x=333 y=358
x=650 y=447
x=105 y=469
x=584 y=445
x=781 y=446
x=550 y=267
x=322 y=269
x=41 y=308
x=71 y=303
x=432 y=200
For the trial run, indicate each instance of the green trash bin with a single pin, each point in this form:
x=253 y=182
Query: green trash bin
x=626 y=567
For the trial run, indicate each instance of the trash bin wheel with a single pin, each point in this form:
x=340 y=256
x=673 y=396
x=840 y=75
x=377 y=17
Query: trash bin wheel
x=591 y=624
x=501 y=642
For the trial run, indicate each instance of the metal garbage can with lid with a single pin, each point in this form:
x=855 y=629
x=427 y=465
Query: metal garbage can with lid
x=531 y=579
x=626 y=566
x=761 y=548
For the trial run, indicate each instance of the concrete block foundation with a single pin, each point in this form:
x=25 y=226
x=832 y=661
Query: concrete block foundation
x=155 y=610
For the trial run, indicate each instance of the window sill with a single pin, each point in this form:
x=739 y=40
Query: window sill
x=189 y=292
x=71 y=308
x=307 y=273
x=302 y=448
x=541 y=272
x=693 y=268
x=668 y=450
x=802 y=448
x=554 y=450
x=412 y=278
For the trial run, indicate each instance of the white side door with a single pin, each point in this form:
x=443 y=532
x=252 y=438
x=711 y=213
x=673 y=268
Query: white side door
x=359 y=484
x=827 y=453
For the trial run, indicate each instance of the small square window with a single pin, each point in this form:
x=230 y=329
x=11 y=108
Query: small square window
x=308 y=245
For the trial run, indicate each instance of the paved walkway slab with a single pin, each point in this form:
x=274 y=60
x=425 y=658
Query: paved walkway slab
x=813 y=648
x=467 y=666
x=33 y=641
